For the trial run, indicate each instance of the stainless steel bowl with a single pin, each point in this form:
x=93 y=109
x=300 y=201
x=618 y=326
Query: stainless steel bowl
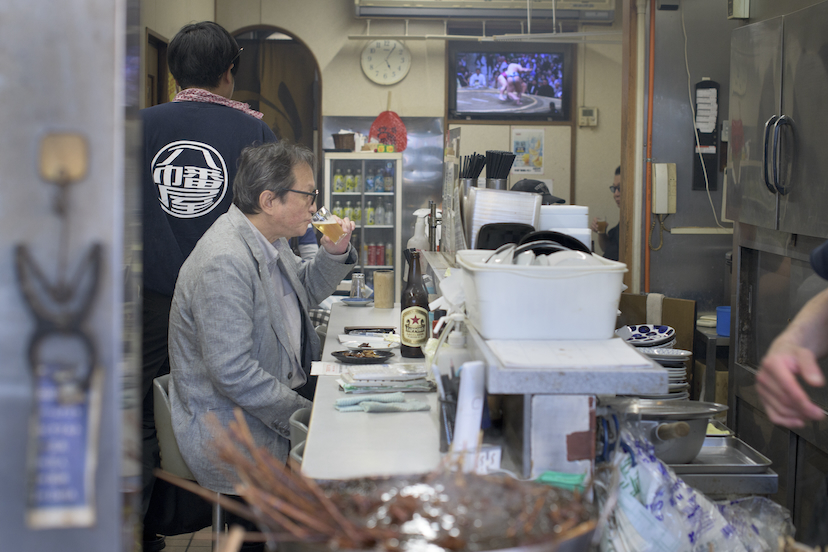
x=676 y=428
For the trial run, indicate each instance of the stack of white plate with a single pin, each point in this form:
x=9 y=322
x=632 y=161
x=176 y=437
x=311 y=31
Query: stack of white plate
x=656 y=342
x=675 y=362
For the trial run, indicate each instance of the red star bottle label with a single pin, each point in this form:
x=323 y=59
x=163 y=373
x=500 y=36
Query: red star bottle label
x=414 y=327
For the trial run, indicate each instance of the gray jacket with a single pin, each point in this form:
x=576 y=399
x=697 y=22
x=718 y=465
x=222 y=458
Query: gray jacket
x=228 y=342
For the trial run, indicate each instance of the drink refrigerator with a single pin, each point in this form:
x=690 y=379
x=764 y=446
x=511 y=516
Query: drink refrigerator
x=777 y=195
x=352 y=189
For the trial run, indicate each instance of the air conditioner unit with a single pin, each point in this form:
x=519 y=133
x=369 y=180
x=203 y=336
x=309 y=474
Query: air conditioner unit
x=597 y=11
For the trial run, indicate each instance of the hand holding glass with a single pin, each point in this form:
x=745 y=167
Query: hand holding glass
x=326 y=223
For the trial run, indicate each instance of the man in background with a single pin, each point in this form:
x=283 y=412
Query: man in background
x=191 y=146
x=608 y=239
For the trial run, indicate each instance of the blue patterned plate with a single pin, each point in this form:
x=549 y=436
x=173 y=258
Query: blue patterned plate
x=646 y=335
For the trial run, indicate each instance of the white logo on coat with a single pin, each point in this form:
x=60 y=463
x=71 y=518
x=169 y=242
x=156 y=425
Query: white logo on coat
x=191 y=178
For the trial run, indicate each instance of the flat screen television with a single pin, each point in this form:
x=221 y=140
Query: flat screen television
x=509 y=81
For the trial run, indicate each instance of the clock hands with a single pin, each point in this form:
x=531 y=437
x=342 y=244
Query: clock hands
x=389 y=55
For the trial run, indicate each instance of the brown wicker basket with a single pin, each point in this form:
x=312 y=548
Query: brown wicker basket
x=344 y=141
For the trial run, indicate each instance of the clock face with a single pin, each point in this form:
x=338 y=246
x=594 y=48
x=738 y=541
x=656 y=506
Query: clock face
x=385 y=61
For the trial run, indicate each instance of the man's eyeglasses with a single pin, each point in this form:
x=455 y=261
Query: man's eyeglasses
x=614 y=188
x=234 y=63
x=314 y=194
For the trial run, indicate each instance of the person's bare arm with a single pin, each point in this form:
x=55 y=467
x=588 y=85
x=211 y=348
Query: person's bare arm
x=794 y=354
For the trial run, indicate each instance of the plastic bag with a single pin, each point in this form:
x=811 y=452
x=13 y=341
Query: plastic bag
x=657 y=511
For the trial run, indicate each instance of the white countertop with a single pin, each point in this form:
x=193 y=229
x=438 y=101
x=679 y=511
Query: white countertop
x=343 y=445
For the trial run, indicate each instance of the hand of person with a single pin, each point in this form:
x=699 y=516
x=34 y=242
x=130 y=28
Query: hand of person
x=785 y=401
x=341 y=246
x=594 y=225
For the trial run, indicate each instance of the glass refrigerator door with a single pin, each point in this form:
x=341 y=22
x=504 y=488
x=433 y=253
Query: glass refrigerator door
x=365 y=188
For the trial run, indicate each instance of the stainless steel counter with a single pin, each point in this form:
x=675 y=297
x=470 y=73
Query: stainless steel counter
x=357 y=444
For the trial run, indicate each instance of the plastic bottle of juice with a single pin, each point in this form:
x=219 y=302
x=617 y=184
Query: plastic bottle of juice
x=349 y=181
x=379 y=182
x=369 y=181
x=338 y=182
x=379 y=214
x=369 y=214
x=337 y=209
x=389 y=214
x=357 y=218
x=348 y=211
x=358 y=180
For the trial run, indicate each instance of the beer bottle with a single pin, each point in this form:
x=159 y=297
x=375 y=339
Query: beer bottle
x=414 y=327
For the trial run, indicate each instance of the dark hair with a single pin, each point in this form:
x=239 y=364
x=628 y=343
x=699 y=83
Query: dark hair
x=200 y=53
x=618 y=170
x=267 y=167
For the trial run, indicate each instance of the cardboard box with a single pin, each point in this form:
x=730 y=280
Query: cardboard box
x=679 y=314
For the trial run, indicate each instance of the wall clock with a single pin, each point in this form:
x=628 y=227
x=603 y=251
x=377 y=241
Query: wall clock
x=385 y=61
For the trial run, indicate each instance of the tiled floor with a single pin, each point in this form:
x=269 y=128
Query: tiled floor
x=192 y=542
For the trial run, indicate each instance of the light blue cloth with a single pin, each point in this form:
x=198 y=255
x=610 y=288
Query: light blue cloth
x=386 y=402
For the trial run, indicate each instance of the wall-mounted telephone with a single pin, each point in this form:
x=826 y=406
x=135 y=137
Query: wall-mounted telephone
x=664 y=188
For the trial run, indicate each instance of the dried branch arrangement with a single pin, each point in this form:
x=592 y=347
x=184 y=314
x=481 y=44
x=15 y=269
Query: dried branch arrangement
x=448 y=509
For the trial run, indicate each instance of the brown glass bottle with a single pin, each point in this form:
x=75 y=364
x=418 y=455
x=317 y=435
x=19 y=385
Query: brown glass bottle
x=414 y=326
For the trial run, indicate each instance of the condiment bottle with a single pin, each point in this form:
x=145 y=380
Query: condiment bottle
x=414 y=326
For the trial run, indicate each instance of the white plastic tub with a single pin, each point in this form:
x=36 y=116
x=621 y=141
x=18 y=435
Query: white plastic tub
x=563 y=216
x=541 y=302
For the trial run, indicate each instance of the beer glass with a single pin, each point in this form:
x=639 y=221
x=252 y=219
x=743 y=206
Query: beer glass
x=326 y=223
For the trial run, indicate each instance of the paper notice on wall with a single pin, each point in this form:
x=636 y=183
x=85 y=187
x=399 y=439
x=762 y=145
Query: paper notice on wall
x=527 y=145
x=707 y=109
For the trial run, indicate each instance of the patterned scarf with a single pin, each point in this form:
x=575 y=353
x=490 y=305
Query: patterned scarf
x=201 y=95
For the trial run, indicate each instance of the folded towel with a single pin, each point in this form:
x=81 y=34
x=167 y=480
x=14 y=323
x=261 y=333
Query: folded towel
x=379 y=398
x=387 y=402
x=407 y=406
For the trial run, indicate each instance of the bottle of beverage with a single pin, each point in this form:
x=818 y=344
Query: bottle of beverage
x=379 y=183
x=389 y=177
x=369 y=181
x=379 y=214
x=389 y=214
x=389 y=254
x=414 y=327
x=338 y=181
x=337 y=209
x=349 y=181
x=357 y=218
x=348 y=211
x=358 y=180
x=369 y=214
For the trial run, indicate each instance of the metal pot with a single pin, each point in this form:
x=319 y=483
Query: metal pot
x=677 y=429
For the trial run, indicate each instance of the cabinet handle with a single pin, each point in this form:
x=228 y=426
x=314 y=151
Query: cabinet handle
x=782 y=187
x=770 y=122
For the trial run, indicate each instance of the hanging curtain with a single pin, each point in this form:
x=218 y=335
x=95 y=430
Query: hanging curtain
x=277 y=78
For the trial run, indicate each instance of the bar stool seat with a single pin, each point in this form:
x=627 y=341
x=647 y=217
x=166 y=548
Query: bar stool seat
x=171 y=460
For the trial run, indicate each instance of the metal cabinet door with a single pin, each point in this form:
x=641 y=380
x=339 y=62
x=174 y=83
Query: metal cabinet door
x=804 y=208
x=755 y=97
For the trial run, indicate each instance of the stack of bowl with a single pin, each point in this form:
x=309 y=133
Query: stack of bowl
x=656 y=342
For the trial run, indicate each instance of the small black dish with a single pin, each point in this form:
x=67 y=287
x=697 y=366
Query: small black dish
x=348 y=358
x=550 y=235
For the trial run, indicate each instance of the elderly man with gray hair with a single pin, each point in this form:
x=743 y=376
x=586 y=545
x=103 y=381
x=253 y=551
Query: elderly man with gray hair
x=240 y=335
